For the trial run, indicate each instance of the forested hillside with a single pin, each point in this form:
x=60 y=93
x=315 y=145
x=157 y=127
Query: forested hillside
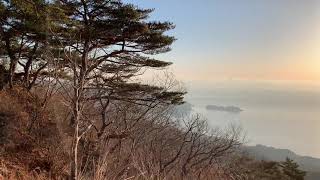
x=308 y=164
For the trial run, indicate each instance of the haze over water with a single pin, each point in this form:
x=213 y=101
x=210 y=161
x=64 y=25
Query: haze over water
x=273 y=44
x=279 y=114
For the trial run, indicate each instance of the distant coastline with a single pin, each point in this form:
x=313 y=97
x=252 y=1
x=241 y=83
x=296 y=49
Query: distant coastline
x=231 y=109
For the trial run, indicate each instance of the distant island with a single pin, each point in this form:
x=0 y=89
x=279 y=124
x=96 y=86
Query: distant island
x=232 y=109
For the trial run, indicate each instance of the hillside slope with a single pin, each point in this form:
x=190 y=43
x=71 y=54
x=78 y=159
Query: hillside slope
x=309 y=164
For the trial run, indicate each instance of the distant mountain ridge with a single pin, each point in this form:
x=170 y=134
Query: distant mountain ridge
x=231 y=109
x=309 y=164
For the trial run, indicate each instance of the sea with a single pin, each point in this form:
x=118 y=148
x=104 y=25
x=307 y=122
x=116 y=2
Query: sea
x=281 y=114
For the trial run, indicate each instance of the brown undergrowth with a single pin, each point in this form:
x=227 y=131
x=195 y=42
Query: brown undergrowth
x=29 y=140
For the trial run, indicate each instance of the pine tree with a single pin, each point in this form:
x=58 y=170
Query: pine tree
x=103 y=45
x=291 y=169
x=99 y=45
x=23 y=39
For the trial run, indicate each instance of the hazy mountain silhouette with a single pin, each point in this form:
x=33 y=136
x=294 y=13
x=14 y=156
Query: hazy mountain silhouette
x=230 y=109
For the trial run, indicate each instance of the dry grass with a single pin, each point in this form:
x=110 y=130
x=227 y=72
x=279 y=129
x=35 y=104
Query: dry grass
x=30 y=142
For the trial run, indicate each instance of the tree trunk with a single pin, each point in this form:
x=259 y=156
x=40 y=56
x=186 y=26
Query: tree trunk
x=74 y=163
x=76 y=121
x=12 y=70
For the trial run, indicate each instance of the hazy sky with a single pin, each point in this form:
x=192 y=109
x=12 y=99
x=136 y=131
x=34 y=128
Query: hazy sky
x=242 y=39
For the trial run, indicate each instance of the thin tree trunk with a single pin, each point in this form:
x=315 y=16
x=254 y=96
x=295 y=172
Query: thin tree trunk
x=12 y=70
x=13 y=62
x=74 y=163
x=76 y=120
